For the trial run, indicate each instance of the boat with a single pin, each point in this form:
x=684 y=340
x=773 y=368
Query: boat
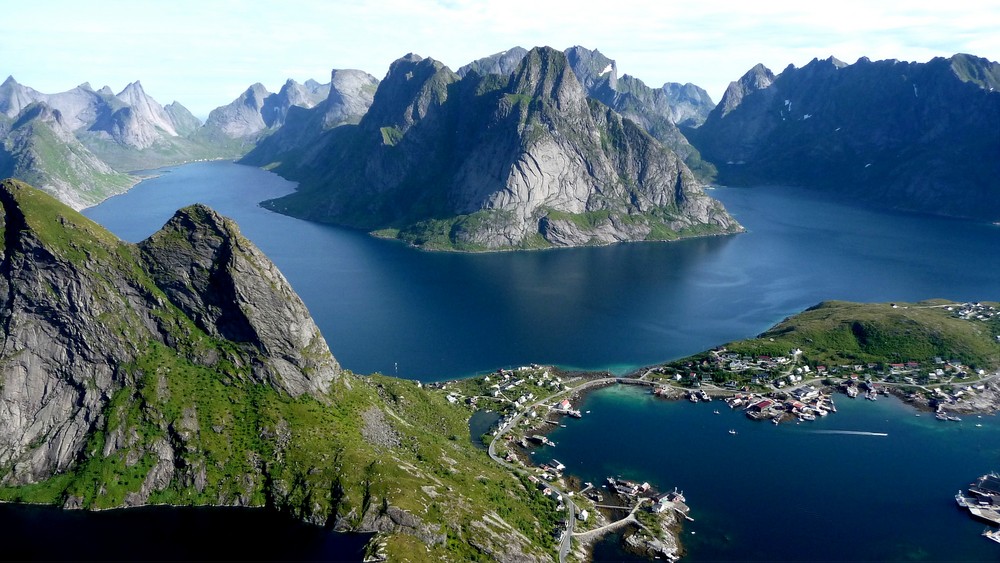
x=992 y=534
x=715 y=412
x=962 y=500
x=731 y=431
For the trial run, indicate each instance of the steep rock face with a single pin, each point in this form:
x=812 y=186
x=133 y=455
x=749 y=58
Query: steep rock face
x=232 y=291
x=244 y=116
x=913 y=136
x=183 y=120
x=658 y=110
x=77 y=307
x=146 y=108
x=300 y=138
x=351 y=94
x=489 y=162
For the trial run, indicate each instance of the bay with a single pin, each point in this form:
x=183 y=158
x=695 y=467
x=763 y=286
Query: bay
x=783 y=493
x=809 y=491
x=432 y=316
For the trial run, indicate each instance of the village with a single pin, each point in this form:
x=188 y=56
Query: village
x=528 y=401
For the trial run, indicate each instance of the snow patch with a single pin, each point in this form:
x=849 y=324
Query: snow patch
x=606 y=70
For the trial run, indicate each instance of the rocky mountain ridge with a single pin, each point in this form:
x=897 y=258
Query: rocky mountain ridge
x=494 y=162
x=101 y=136
x=919 y=137
x=658 y=110
x=184 y=370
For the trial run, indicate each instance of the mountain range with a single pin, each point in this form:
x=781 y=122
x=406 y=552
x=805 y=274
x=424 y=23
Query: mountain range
x=912 y=136
x=82 y=144
x=921 y=137
x=496 y=161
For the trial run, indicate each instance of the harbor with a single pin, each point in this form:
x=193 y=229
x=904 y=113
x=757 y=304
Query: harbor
x=982 y=500
x=680 y=439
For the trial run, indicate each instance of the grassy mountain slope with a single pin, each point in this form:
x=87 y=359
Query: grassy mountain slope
x=134 y=387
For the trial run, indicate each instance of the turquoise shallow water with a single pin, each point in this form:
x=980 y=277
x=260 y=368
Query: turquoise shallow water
x=810 y=491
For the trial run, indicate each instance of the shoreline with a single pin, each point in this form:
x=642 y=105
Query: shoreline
x=985 y=401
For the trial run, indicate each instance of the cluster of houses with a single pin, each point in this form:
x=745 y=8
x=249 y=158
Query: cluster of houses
x=804 y=403
x=673 y=500
x=973 y=311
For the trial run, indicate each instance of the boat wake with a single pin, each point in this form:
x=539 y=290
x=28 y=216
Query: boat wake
x=850 y=432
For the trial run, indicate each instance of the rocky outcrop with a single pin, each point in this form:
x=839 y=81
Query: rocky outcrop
x=911 y=136
x=77 y=306
x=232 y=291
x=503 y=161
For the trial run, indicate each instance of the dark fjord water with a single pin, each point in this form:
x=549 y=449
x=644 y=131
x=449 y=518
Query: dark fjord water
x=443 y=315
x=766 y=494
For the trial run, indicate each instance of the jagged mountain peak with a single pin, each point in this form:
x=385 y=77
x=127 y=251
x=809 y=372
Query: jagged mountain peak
x=412 y=87
x=14 y=97
x=146 y=109
x=503 y=63
x=593 y=68
x=757 y=78
x=546 y=73
x=977 y=70
x=231 y=290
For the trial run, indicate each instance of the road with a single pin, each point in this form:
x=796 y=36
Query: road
x=567 y=540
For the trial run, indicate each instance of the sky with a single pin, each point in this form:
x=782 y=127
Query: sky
x=205 y=53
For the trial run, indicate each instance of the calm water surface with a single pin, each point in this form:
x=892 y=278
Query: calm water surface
x=796 y=491
x=769 y=493
x=384 y=307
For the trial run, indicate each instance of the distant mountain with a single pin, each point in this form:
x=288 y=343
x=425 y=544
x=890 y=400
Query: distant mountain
x=78 y=144
x=300 y=137
x=38 y=146
x=492 y=162
x=913 y=136
x=658 y=110
x=257 y=110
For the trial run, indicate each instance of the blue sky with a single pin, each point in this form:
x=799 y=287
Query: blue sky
x=204 y=53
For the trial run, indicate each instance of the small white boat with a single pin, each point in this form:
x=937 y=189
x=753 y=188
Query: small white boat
x=731 y=431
